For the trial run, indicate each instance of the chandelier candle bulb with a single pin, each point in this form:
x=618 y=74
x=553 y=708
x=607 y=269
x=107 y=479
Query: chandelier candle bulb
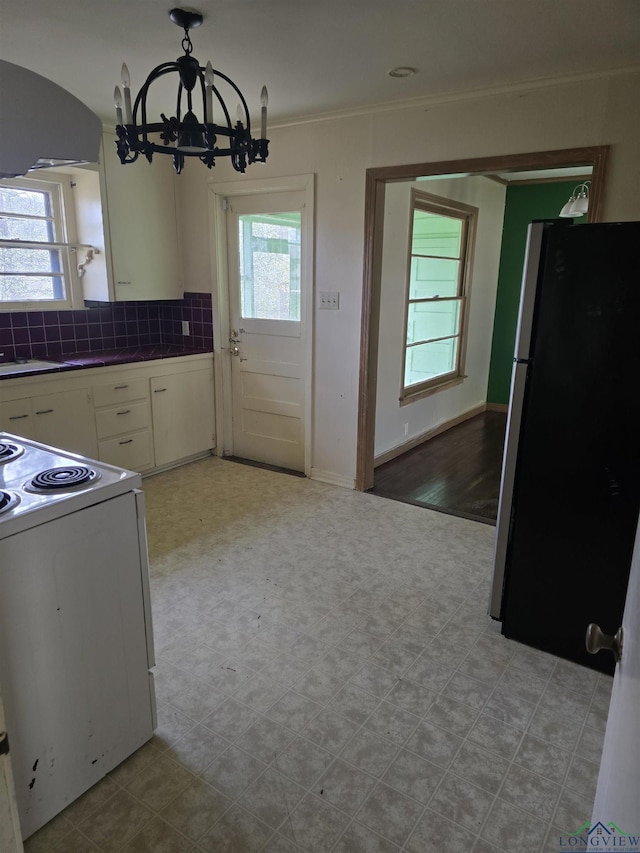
x=126 y=84
x=264 y=100
x=117 y=97
x=208 y=80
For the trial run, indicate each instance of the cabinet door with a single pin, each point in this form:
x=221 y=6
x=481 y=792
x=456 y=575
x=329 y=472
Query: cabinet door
x=16 y=417
x=64 y=420
x=182 y=411
x=142 y=225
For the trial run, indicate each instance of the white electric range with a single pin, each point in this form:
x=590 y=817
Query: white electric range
x=76 y=640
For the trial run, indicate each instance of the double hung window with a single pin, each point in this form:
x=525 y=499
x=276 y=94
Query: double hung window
x=37 y=237
x=437 y=293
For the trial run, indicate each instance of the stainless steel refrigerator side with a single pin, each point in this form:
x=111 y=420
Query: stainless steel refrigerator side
x=514 y=418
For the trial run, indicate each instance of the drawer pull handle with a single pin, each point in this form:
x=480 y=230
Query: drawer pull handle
x=44 y=412
x=17 y=417
x=119 y=387
x=158 y=390
x=126 y=441
x=126 y=412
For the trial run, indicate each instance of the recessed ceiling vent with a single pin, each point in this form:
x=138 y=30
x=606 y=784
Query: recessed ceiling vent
x=41 y=124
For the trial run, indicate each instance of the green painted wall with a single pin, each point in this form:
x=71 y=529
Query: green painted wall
x=524 y=202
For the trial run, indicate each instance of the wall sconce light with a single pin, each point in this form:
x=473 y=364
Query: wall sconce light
x=578 y=204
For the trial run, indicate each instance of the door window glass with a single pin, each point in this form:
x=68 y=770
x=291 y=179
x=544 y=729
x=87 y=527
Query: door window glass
x=270 y=265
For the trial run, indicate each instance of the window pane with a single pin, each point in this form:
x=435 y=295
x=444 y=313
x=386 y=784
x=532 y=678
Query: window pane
x=429 y=320
x=427 y=361
x=433 y=277
x=270 y=266
x=29 y=260
x=23 y=288
x=27 y=229
x=434 y=234
x=29 y=202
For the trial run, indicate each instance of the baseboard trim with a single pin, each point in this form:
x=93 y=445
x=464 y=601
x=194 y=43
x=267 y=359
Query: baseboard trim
x=498 y=407
x=332 y=479
x=399 y=449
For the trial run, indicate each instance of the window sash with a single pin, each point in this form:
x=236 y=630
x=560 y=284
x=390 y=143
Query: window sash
x=457 y=335
x=54 y=279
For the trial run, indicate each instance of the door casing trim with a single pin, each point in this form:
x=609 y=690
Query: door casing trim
x=376 y=180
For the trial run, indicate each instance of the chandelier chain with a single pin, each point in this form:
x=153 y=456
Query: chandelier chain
x=186 y=42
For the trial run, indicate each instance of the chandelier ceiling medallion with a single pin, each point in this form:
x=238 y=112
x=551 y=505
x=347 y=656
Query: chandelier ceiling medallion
x=184 y=135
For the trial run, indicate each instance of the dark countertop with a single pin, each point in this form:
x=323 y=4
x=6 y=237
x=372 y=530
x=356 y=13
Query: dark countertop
x=104 y=358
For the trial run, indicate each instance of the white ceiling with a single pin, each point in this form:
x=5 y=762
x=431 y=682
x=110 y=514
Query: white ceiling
x=323 y=56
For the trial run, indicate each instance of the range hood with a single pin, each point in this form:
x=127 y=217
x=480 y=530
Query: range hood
x=41 y=124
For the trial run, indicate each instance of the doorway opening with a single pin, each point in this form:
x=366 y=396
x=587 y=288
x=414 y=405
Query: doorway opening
x=387 y=425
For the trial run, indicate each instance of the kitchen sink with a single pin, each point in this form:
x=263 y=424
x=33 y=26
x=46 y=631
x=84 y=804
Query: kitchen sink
x=27 y=366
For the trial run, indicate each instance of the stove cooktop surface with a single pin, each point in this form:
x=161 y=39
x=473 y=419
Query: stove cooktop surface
x=44 y=482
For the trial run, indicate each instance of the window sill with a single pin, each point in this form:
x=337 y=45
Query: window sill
x=433 y=389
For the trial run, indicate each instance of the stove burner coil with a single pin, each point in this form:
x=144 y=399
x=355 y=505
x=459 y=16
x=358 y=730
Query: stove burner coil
x=9 y=451
x=7 y=501
x=63 y=478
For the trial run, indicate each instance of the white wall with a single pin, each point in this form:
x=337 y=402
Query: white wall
x=423 y=415
x=588 y=111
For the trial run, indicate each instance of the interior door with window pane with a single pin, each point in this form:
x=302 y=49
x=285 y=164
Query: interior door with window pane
x=266 y=346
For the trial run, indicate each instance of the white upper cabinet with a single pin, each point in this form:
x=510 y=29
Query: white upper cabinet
x=138 y=230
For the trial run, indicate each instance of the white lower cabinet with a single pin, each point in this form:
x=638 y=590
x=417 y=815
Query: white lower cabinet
x=16 y=416
x=136 y=416
x=182 y=410
x=123 y=422
x=62 y=419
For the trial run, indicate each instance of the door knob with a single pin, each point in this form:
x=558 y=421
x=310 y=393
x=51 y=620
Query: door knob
x=596 y=640
x=234 y=350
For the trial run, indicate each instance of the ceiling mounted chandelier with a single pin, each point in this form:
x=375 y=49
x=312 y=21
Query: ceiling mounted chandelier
x=184 y=135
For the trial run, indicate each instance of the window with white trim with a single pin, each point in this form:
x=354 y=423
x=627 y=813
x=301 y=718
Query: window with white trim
x=437 y=293
x=37 y=244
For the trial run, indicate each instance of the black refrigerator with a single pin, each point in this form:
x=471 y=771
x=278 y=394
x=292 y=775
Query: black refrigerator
x=570 y=490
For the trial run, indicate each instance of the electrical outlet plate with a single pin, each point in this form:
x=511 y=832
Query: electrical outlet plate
x=329 y=300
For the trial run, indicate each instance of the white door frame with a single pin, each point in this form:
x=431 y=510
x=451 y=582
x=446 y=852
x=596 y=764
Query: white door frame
x=218 y=192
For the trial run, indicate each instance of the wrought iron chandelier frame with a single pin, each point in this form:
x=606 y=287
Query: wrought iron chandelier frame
x=202 y=137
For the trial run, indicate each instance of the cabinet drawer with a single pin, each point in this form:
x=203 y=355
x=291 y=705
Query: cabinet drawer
x=134 y=452
x=120 y=391
x=125 y=418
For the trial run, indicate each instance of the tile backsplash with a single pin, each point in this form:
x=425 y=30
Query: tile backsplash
x=104 y=326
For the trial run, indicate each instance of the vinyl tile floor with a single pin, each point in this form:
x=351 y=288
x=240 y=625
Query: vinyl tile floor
x=328 y=681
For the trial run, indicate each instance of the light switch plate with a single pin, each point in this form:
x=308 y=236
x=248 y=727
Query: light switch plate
x=329 y=300
x=185 y=327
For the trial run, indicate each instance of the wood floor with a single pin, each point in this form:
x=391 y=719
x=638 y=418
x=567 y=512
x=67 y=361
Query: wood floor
x=457 y=472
